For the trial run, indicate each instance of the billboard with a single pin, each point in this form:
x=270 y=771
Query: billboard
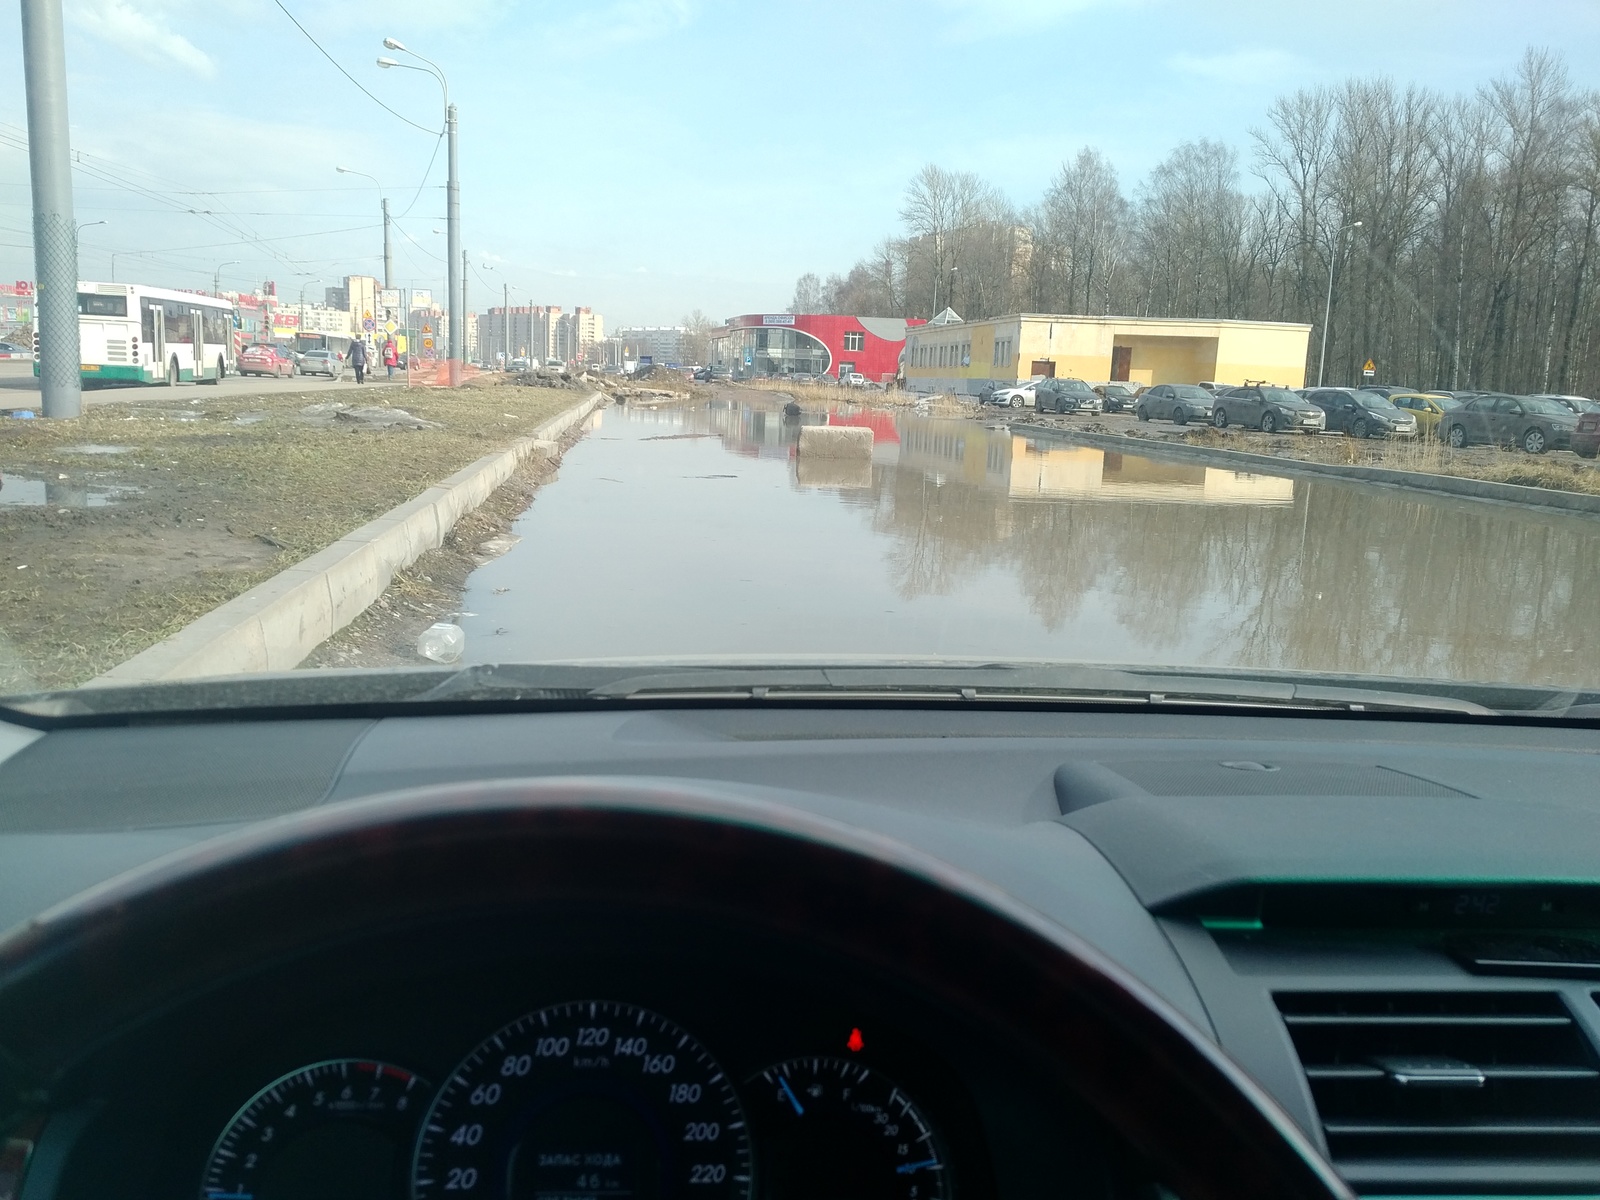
x=421 y=298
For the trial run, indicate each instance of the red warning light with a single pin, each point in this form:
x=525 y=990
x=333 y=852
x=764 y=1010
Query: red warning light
x=855 y=1041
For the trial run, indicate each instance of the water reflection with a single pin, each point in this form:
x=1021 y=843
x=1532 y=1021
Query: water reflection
x=957 y=539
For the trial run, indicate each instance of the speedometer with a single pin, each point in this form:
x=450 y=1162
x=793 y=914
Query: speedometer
x=589 y=1100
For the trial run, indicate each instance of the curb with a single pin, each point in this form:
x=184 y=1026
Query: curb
x=274 y=625
x=1267 y=464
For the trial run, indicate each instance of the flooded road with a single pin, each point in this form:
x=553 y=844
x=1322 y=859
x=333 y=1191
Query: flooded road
x=696 y=531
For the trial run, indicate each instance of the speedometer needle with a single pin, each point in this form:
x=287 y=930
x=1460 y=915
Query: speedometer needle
x=907 y=1168
x=793 y=1099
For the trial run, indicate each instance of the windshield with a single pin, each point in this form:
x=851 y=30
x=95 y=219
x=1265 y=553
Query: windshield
x=768 y=342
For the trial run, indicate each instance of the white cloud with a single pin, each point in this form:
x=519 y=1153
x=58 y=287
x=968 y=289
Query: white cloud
x=1237 y=65
x=119 y=24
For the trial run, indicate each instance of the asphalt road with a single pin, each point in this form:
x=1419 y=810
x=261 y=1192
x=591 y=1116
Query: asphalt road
x=19 y=388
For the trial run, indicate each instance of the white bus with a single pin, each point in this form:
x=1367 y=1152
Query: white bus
x=129 y=333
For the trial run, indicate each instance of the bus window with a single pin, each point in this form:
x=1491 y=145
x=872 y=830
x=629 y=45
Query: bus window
x=217 y=326
x=180 y=324
x=91 y=305
x=149 y=321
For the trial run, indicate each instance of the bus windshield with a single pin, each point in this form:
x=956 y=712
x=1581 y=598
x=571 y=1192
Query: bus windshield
x=91 y=305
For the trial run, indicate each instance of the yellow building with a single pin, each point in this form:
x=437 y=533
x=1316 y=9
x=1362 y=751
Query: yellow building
x=962 y=356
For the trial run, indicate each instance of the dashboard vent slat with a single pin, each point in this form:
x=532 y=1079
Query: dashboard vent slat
x=1479 y=1083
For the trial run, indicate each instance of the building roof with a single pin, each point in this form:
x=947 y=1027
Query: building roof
x=948 y=317
x=1150 y=322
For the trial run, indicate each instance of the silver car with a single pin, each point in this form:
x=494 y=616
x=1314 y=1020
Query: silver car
x=321 y=362
x=1267 y=408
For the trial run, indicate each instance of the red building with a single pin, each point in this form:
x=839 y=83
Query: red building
x=778 y=344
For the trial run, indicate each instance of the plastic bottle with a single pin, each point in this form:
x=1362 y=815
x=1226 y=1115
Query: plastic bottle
x=442 y=642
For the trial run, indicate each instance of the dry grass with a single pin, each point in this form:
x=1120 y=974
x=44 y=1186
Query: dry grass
x=229 y=491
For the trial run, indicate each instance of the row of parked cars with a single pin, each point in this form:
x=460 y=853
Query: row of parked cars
x=1536 y=423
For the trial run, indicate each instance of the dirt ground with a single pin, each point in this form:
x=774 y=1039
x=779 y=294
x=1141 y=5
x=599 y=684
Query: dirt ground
x=120 y=527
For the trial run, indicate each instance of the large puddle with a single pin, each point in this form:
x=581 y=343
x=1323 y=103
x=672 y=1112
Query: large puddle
x=697 y=531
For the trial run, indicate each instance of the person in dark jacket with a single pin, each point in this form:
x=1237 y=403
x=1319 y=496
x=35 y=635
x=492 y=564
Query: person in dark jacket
x=358 y=359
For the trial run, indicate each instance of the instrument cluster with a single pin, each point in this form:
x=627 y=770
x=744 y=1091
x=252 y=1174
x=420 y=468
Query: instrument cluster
x=586 y=1100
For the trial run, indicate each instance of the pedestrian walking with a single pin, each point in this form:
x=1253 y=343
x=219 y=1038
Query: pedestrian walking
x=391 y=356
x=358 y=359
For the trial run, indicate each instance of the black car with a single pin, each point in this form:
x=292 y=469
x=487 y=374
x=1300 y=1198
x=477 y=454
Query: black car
x=1064 y=396
x=1118 y=397
x=1359 y=413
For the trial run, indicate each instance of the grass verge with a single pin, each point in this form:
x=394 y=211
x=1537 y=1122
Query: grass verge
x=146 y=513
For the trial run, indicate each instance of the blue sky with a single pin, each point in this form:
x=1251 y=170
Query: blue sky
x=649 y=157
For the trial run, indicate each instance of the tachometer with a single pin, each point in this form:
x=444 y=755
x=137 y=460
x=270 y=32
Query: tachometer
x=339 y=1128
x=832 y=1127
x=589 y=1100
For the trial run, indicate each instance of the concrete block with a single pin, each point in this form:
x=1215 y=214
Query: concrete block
x=835 y=441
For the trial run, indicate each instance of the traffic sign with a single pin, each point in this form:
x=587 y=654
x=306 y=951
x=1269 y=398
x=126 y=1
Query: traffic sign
x=427 y=329
x=1369 y=369
x=427 y=343
x=369 y=324
x=389 y=327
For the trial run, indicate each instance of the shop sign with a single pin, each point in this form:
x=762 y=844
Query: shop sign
x=778 y=319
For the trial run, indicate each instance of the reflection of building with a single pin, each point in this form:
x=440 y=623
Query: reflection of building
x=962 y=356
x=1055 y=469
x=810 y=343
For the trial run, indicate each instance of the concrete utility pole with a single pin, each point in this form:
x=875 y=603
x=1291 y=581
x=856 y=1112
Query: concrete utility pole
x=505 y=305
x=1327 y=311
x=462 y=339
x=388 y=256
x=55 y=235
x=457 y=293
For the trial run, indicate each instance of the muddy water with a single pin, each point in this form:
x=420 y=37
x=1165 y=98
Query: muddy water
x=698 y=531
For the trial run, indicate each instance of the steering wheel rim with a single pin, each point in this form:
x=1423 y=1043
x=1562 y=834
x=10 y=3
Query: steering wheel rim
x=97 y=961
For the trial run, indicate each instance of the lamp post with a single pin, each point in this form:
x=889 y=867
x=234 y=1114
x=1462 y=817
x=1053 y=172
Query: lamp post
x=452 y=205
x=303 y=288
x=1327 y=310
x=216 y=276
x=388 y=257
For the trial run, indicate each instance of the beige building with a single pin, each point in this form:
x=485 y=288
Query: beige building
x=962 y=356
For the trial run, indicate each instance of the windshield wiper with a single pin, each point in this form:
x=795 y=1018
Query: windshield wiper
x=580 y=685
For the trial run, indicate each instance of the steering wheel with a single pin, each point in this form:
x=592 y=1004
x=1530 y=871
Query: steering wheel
x=99 y=961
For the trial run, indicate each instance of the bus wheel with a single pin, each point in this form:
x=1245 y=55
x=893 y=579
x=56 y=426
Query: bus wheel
x=172 y=372
x=222 y=369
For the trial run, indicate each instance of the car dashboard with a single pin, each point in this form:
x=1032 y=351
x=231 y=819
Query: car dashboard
x=1392 y=925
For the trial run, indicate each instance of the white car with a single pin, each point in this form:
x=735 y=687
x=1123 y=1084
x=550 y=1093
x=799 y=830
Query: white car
x=1020 y=396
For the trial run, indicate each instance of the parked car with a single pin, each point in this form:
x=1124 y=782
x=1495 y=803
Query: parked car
x=1427 y=407
x=1358 y=413
x=1212 y=386
x=1017 y=396
x=265 y=359
x=1117 y=397
x=1577 y=405
x=1531 y=422
x=321 y=362
x=1386 y=389
x=1179 y=403
x=12 y=350
x=1064 y=396
x=1586 y=437
x=1267 y=408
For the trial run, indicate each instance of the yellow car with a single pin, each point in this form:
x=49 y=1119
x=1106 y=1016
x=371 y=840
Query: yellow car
x=1427 y=407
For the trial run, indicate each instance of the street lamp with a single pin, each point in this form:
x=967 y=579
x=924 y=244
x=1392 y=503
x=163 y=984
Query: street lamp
x=505 y=319
x=86 y=224
x=303 y=288
x=1327 y=311
x=216 y=276
x=452 y=206
x=388 y=258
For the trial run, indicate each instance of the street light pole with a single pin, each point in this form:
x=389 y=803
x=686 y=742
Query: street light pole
x=216 y=276
x=1327 y=311
x=457 y=292
x=388 y=257
x=55 y=235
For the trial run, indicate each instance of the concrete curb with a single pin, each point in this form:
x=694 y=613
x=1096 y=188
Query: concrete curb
x=1267 y=464
x=274 y=625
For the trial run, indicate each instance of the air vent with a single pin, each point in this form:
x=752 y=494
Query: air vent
x=1452 y=1087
